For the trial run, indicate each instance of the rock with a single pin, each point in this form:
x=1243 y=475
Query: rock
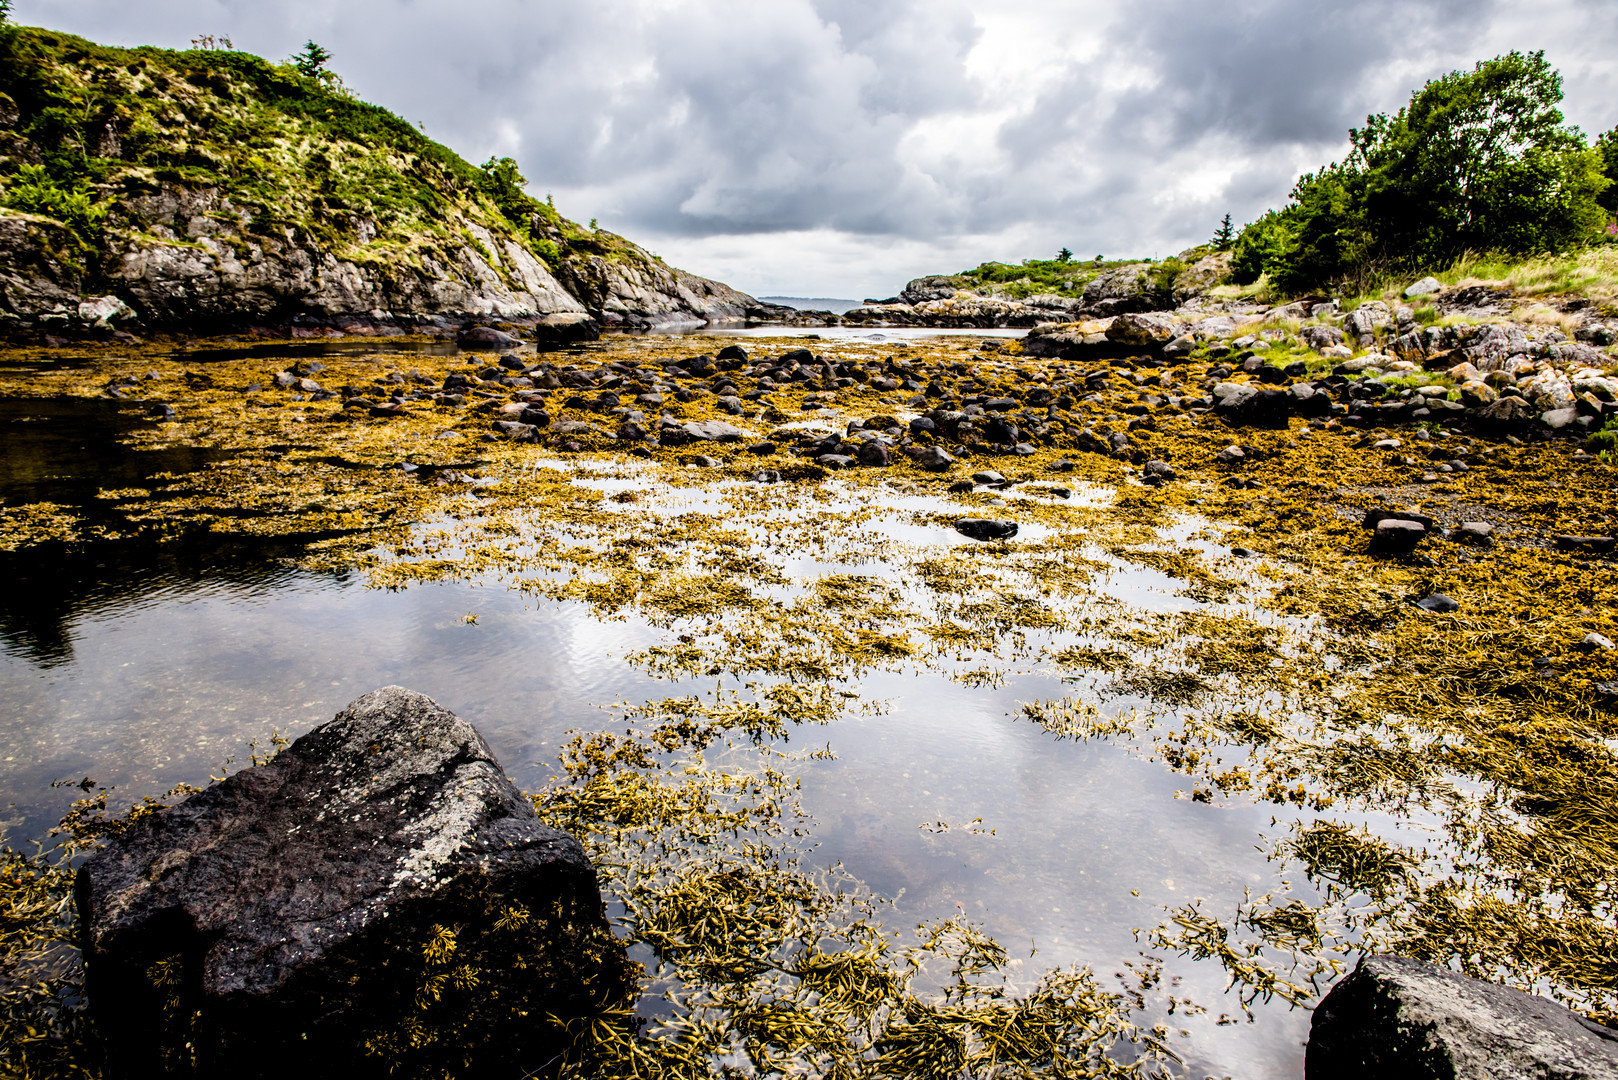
x=1160 y=469
x=1439 y=603
x=1180 y=346
x=297 y=896
x=1243 y=553
x=574 y=428
x=986 y=528
x=1506 y=412
x=1597 y=545
x=1141 y=331
x=933 y=458
x=485 y=337
x=712 y=431
x=874 y=454
x=1478 y=533
x=1425 y=287
x=1556 y=419
x=988 y=476
x=516 y=429
x=835 y=461
x=702 y=461
x=1393 y=1017
x=732 y=352
x=1397 y=535
x=1477 y=394
x=762 y=449
x=1321 y=338
x=100 y=312
x=1231 y=455
x=1593 y=642
x=1000 y=431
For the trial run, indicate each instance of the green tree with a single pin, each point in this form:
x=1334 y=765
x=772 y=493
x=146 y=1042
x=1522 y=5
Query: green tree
x=1225 y=238
x=1607 y=145
x=5 y=10
x=1259 y=246
x=311 y=60
x=1064 y=256
x=1478 y=160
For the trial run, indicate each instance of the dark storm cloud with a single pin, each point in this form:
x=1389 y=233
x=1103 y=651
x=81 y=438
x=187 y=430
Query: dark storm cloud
x=894 y=128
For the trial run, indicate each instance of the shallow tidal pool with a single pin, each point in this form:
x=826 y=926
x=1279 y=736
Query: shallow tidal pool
x=1109 y=742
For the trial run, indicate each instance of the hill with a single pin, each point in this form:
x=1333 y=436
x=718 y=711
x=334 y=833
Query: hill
x=213 y=189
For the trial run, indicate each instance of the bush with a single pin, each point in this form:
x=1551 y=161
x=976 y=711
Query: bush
x=1477 y=161
x=33 y=190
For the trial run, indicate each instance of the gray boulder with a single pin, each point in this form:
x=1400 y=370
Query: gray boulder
x=276 y=921
x=1424 y=287
x=712 y=431
x=1397 y=1017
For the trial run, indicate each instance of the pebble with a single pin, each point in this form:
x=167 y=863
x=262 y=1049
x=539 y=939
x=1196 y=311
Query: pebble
x=1438 y=602
x=1594 y=642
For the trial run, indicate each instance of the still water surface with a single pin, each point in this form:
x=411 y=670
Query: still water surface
x=148 y=669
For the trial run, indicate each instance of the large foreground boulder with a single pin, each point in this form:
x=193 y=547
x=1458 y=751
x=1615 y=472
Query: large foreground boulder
x=378 y=898
x=1397 y=1017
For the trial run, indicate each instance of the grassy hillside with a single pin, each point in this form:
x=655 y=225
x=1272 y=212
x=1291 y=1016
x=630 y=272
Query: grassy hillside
x=86 y=130
x=1033 y=276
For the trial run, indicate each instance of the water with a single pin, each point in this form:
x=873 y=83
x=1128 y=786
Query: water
x=146 y=667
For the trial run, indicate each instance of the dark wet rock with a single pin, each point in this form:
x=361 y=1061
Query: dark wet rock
x=874 y=454
x=1595 y=545
x=988 y=476
x=1606 y=692
x=1001 y=404
x=702 y=461
x=921 y=424
x=486 y=337
x=1062 y=465
x=1394 y=1017
x=297 y=896
x=1231 y=455
x=762 y=449
x=1243 y=553
x=961 y=487
x=986 y=528
x=835 y=461
x=1438 y=602
x=387 y=410
x=732 y=352
x=1160 y=469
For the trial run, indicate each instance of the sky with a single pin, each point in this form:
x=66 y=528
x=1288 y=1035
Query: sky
x=838 y=148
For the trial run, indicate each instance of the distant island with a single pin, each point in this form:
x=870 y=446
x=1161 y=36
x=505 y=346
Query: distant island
x=813 y=303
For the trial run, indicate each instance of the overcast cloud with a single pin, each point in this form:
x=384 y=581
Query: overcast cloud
x=841 y=147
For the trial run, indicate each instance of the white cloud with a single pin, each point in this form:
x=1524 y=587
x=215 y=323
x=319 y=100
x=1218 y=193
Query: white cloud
x=840 y=147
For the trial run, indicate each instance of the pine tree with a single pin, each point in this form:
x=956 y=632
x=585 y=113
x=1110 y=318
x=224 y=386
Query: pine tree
x=1064 y=255
x=1225 y=238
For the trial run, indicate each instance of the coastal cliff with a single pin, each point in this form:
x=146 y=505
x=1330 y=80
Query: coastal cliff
x=210 y=190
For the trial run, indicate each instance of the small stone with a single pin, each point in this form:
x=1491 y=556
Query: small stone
x=988 y=476
x=1231 y=455
x=762 y=449
x=1425 y=287
x=1061 y=465
x=1593 y=642
x=1438 y=602
x=1243 y=553
x=836 y=461
x=702 y=461
x=960 y=487
x=1479 y=533
x=986 y=528
x=933 y=458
